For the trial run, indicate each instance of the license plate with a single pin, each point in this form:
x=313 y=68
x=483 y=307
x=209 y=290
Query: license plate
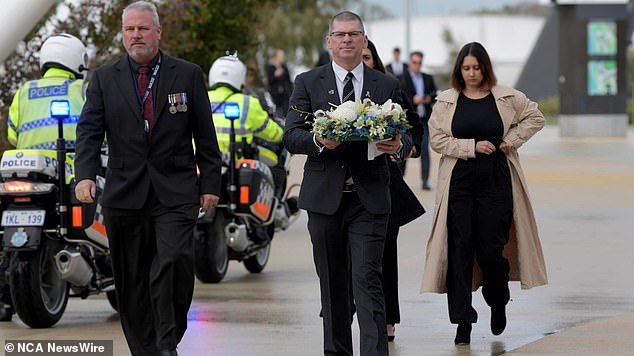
x=23 y=217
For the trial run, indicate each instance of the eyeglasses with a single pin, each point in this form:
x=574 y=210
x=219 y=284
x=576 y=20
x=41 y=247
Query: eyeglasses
x=341 y=35
x=415 y=62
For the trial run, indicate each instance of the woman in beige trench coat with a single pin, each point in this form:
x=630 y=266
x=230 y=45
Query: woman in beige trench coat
x=521 y=119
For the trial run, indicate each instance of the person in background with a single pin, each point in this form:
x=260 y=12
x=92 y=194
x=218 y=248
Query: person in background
x=227 y=77
x=150 y=105
x=405 y=207
x=323 y=58
x=62 y=62
x=29 y=126
x=421 y=90
x=397 y=67
x=346 y=196
x=280 y=85
x=483 y=213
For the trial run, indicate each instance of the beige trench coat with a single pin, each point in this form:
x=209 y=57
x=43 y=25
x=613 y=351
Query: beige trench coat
x=522 y=119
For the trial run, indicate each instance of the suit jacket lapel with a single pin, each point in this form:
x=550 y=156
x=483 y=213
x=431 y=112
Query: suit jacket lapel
x=329 y=85
x=167 y=76
x=370 y=80
x=125 y=81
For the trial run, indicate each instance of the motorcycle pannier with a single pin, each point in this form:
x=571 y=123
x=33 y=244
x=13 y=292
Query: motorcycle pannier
x=256 y=189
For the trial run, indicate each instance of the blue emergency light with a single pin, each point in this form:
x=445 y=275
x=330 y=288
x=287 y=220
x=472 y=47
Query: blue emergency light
x=60 y=109
x=232 y=111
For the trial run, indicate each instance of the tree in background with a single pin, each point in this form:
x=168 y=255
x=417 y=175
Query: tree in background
x=299 y=27
x=197 y=30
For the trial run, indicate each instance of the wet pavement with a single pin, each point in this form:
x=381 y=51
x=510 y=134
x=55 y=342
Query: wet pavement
x=583 y=194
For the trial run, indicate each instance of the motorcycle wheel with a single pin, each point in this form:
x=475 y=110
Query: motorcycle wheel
x=211 y=254
x=112 y=299
x=257 y=262
x=39 y=295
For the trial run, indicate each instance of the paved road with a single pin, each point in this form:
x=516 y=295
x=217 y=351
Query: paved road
x=583 y=194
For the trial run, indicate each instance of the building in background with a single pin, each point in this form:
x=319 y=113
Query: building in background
x=509 y=40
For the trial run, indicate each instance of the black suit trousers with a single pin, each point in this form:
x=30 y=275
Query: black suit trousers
x=390 y=275
x=425 y=160
x=349 y=245
x=153 y=262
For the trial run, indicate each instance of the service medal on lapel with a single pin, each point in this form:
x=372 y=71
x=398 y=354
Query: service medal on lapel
x=178 y=102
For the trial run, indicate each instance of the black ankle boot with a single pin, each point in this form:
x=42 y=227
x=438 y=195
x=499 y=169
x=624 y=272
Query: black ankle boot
x=463 y=334
x=498 y=319
x=6 y=313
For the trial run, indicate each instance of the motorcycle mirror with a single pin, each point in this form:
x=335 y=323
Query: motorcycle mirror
x=60 y=109
x=232 y=111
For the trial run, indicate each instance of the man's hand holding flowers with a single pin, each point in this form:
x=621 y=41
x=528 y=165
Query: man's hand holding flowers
x=327 y=142
x=391 y=146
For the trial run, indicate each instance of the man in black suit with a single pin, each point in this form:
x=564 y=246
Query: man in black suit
x=152 y=193
x=397 y=67
x=346 y=195
x=421 y=90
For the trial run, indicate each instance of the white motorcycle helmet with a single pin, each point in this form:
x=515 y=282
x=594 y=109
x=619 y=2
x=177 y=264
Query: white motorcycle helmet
x=64 y=51
x=228 y=70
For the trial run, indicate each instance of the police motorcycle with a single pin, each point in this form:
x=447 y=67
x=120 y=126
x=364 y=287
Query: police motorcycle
x=242 y=226
x=57 y=247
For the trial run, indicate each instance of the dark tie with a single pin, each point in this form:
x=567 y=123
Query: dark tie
x=143 y=80
x=348 y=88
x=348 y=94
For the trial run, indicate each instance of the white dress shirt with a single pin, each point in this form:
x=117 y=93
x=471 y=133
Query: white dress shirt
x=357 y=81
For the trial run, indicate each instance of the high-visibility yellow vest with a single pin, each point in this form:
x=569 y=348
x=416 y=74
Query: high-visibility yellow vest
x=254 y=121
x=30 y=124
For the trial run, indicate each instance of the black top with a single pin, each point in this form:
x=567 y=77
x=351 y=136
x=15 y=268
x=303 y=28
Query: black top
x=478 y=119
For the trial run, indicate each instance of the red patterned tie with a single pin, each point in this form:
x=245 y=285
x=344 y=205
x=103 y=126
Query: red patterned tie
x=143 y=80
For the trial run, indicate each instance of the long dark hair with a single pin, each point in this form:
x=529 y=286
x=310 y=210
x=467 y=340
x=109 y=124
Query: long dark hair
x=476 y=50
x=378 y=64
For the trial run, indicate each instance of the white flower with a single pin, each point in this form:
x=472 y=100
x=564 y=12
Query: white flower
x=373 y=111
x=359 y=123
x=377 y=131
x=351 y=105
x=320 y=113
x=344 y=113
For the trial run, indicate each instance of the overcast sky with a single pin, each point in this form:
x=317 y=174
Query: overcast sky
x=444 y=7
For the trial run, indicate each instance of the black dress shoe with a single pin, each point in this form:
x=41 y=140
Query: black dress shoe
x=498 y=319
x=426 y=186
x=169 y=353
x=6 y=313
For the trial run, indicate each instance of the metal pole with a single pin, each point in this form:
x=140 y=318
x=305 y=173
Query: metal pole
x=408 y=21
x=233 y=174
x=61 y=175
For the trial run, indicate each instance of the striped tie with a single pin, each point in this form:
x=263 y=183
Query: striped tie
x=348 y=88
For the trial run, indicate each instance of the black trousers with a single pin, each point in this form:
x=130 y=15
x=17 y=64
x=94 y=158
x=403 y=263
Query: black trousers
x=5 y=290
x=479 y=216
x=424 y=157
x=390 y=276
x=153 y=262
x=349 y=245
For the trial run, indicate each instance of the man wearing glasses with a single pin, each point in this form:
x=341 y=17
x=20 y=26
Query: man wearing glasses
x=345 y=194
x=420 y=89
